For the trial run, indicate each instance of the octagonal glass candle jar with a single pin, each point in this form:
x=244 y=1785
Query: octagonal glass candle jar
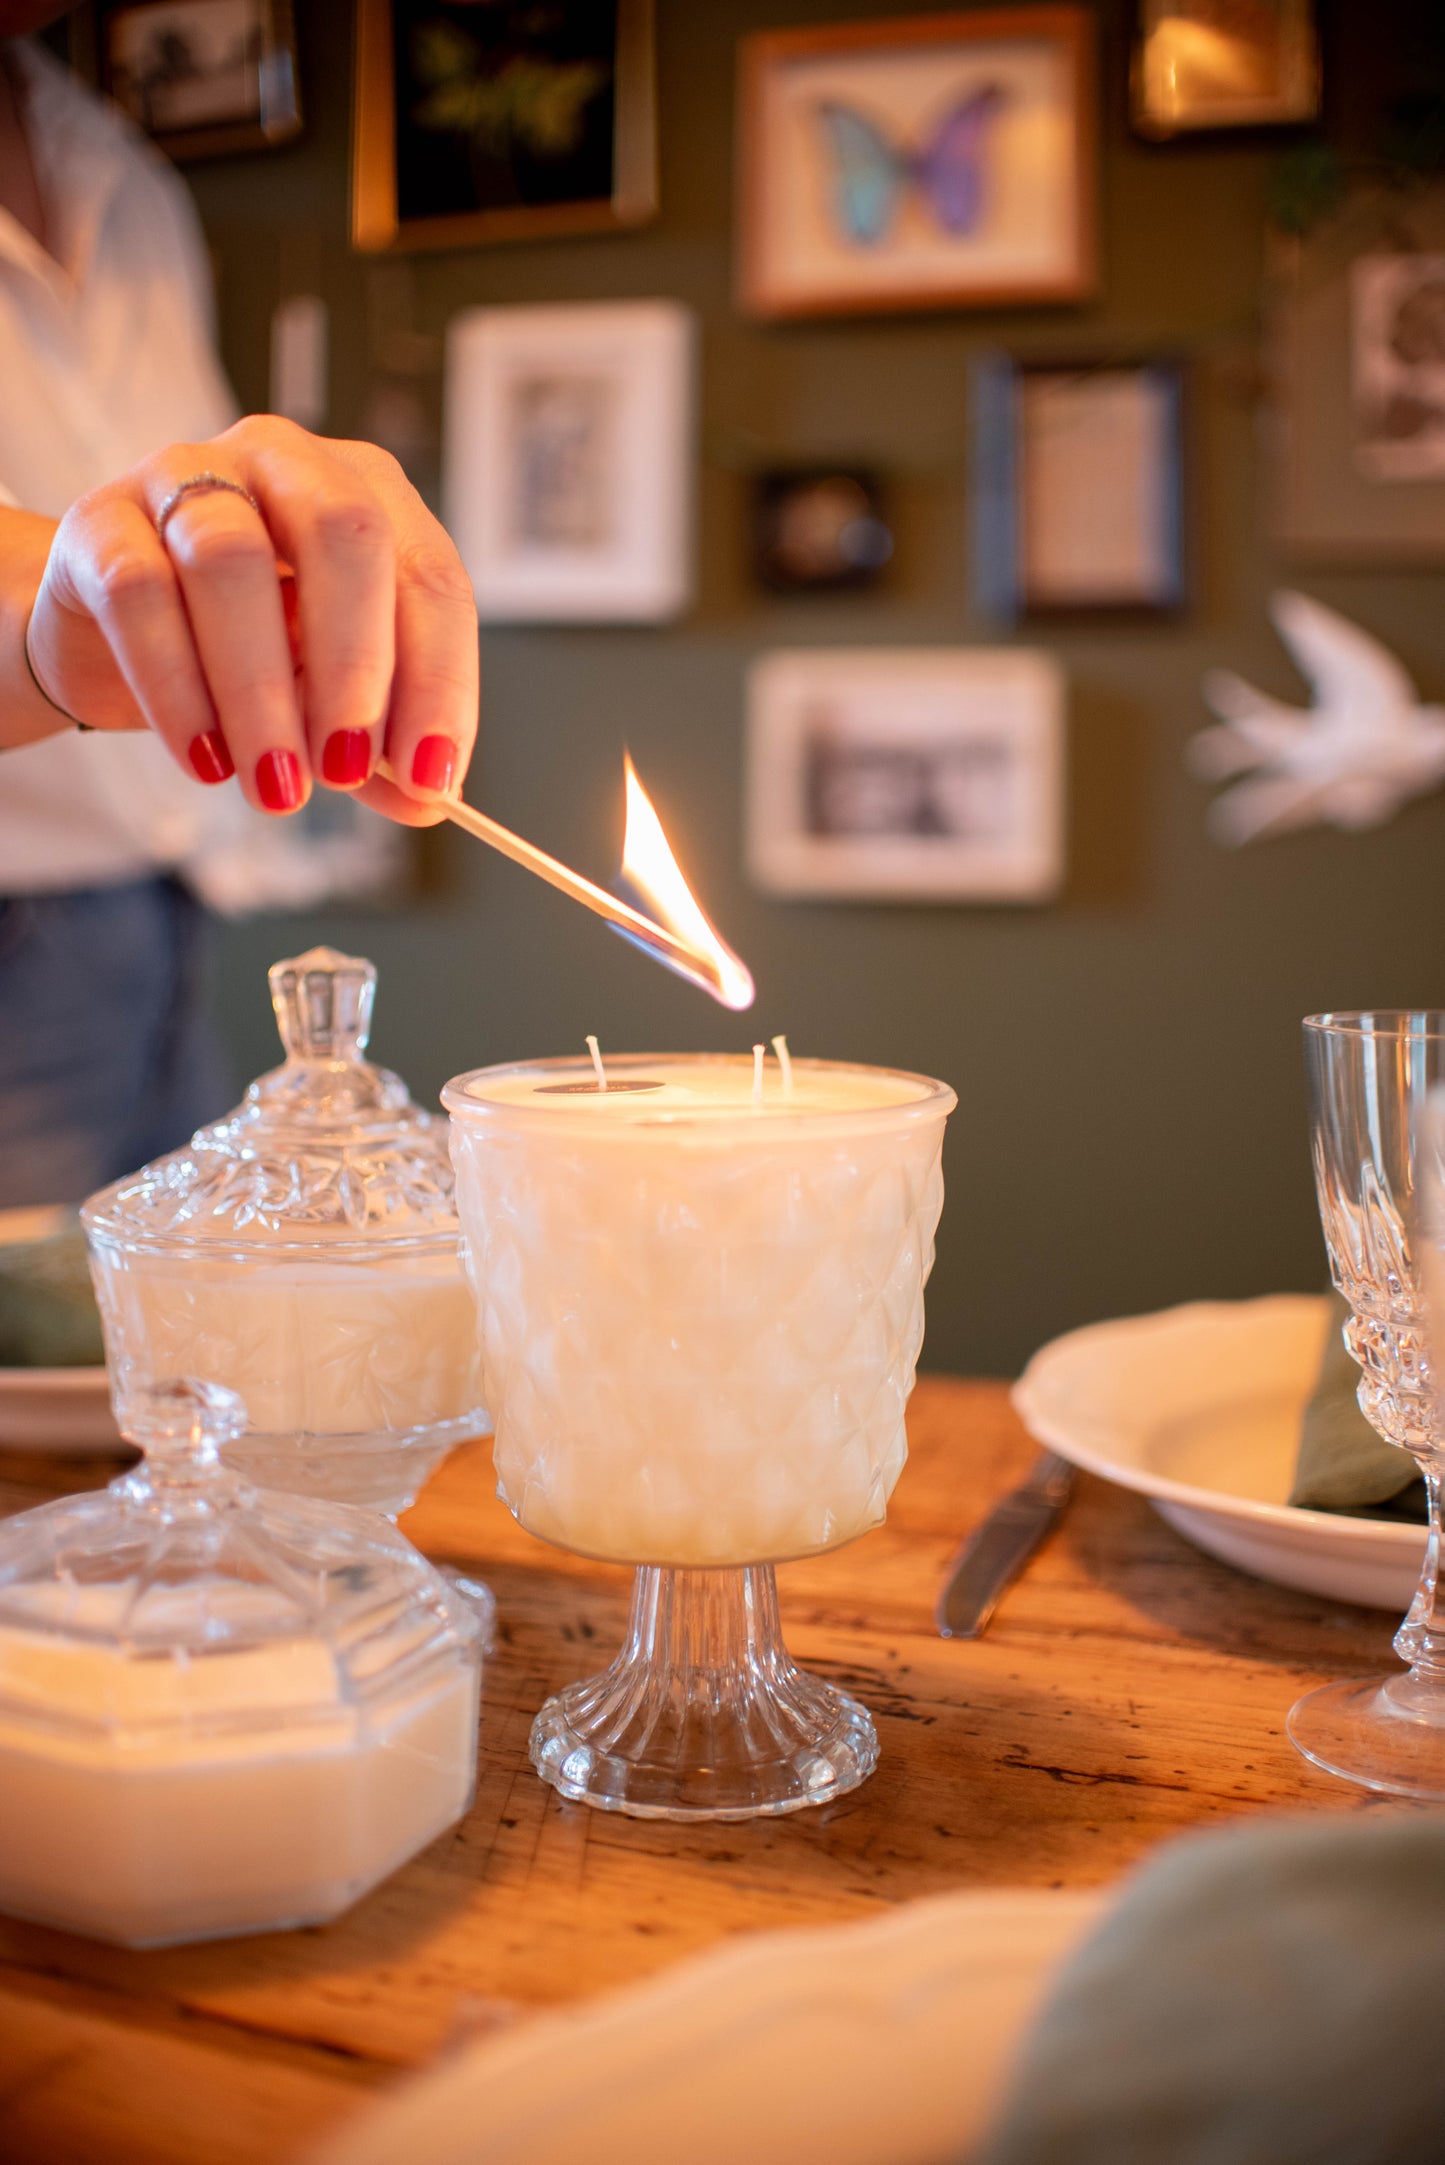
x=700 y=1305
x=222 y=1710
x=304 y=1253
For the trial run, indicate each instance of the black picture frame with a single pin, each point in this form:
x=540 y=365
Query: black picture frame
x=819 y=529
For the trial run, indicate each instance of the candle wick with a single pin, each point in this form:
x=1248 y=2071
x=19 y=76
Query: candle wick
x=760 y=1053
x=785 y=1062
x=598 y=1069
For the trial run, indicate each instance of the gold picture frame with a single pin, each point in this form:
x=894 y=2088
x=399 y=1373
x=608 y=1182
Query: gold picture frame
x=934 y=161
x=402 y=199
x=1200 y=64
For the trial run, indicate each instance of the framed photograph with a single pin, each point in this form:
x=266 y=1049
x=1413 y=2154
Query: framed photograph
x=1397 y=332
x=568 y=460
x=819 y=530
x=507 y=121
x=1224 y=64
x=1078 y=487
x=204 y=77
x=907 y=775
x=939 y=161
x=1357 y=414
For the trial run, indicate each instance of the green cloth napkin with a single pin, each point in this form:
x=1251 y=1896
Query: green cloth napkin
x=1266 y=1996
x=1343 y=1465
x=48 y=1316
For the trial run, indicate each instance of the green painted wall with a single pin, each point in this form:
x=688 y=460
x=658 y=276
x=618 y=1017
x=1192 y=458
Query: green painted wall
x=1131 y=1122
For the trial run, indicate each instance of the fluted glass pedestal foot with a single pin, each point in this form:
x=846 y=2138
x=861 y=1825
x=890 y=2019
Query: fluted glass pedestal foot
x=1384 y=1732
x=703 y=1714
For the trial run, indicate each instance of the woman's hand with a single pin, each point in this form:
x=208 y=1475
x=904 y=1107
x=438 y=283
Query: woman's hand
x=367 y=652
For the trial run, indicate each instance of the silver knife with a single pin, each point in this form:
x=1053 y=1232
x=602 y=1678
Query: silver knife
x=995 y=1552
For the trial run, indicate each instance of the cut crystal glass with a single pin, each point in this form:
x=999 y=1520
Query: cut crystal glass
x=1370 y=1076
x=304 y=1253
x=221 y=1710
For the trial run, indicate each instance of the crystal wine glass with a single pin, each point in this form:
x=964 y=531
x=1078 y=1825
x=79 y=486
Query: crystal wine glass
x=1370 y=1074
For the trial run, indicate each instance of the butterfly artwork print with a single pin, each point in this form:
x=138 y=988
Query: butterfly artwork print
x=939 y=161
x=869 y=175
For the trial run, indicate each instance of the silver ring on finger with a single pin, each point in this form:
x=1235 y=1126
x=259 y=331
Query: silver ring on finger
x=193 y=485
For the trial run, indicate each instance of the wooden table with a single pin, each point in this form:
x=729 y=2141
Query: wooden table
x=1128 y=1688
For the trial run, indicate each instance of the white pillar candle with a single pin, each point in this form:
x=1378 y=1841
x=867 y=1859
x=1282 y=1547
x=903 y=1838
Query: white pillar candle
x=699 y=1308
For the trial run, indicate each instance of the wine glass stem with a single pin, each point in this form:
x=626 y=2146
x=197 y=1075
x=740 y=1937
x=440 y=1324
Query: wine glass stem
x=1420 y=1640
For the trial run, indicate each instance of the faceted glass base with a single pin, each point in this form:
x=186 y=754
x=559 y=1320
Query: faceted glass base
x=703 y=1714
x=1384 y=1732
x=478 y=1597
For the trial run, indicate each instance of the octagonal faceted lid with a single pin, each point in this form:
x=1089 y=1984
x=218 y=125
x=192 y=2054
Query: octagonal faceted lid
x=182 y=1604
x=326 y=1148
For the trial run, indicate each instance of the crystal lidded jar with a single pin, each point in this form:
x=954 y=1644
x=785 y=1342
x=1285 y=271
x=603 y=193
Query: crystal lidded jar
x=700 y=1309
x=304 y=1253
x=221 y=1710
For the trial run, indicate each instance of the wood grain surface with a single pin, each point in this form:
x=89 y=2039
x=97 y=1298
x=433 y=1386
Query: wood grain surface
x=1128 y=1688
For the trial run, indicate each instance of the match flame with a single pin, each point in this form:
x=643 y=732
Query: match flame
x=652 y=872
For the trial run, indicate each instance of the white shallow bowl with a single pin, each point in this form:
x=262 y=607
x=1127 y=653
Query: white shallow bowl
x=1199 y=1409
x=885 y=2043
x=61 y=1410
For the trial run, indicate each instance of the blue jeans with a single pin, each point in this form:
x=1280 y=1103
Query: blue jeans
x=105 y=1057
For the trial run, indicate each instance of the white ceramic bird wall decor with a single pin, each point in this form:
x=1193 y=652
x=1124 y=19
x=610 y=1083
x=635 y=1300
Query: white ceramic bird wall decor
x=1361 y=749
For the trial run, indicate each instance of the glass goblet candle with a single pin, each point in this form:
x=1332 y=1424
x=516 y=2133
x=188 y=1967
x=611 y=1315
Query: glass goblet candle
x=1370 y=1074
x=700 y=1305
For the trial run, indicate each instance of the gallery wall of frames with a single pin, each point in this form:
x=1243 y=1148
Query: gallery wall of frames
x=882 y=422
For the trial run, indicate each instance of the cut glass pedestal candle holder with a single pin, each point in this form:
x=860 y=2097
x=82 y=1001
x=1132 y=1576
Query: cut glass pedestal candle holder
x=699 y=1314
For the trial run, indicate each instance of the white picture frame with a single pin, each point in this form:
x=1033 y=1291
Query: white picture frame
x=907 y=774
x=568 y=460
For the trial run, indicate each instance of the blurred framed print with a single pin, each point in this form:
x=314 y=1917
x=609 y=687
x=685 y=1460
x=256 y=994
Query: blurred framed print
x=906 y=775
x=204 y=77
x=936 y=161
x=1224 y=64
x=496 y=120
x=1078 y=487
x=1357 y=379
x=568 y=459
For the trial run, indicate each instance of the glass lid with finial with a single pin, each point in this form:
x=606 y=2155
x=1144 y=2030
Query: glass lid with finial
x=305 y=1252
x=221 y=1709
x=327 y=1148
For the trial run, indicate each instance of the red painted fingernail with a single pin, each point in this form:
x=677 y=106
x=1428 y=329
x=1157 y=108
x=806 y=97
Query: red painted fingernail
x=278 y=781
x=433 y=763
x=346 y=757
x=210 y=756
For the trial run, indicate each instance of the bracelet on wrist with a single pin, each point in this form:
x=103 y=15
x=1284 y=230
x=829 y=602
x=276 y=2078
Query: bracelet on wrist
x=54 y=704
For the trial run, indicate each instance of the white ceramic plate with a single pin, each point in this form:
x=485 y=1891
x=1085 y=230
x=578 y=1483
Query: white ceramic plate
x=1199 y=1408
x=60 y=1410
x=64 y=1410
x=884 y=2043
